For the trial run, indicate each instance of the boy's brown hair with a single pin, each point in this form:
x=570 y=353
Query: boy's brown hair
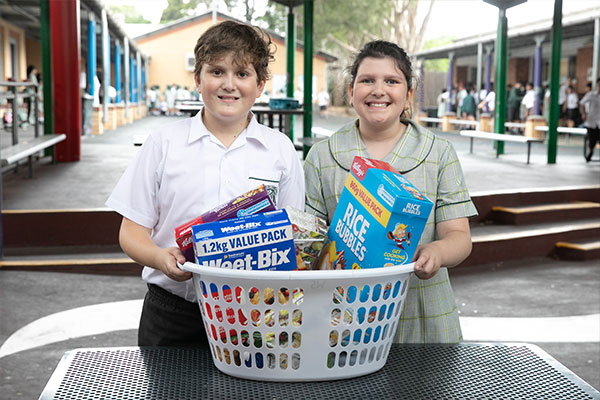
x=249 y=45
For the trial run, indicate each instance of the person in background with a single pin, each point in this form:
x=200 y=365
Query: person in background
x=469 y=107
x=562 y=98
x=488 y=104
x=179 y=98
x=32 y=91
x=152 y=98
x=460 y=96
x=193 y=165
x=590 y=108
x=442 y=102
x=529 y=99
x=323 y=101
x=381 y=91
x=170 y=100
x=571 y=108
x=513 y=103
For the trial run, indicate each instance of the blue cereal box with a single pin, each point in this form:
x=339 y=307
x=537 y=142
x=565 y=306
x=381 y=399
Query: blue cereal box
x=252 y=242
x=378 y=221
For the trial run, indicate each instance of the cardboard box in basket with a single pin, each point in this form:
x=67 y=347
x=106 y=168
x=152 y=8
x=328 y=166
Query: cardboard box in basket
x=378 y=221
x=251 y=242
x=252 y=202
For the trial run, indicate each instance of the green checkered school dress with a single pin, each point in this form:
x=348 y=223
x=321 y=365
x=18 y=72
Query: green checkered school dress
x=430 y=162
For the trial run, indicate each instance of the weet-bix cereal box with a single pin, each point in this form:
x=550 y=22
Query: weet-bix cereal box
x=252 y=202
x=378 y=221
x=252 y=242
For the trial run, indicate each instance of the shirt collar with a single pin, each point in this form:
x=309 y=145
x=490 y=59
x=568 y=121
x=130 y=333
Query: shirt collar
x=198 y=130
x=410 y=151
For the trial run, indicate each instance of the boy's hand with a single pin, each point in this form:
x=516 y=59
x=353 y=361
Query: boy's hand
x=428 y=261
x=167 y=260
x=136 y=243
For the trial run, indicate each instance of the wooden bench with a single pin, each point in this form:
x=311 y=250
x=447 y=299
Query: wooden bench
x=15 y=153
x=501 y=137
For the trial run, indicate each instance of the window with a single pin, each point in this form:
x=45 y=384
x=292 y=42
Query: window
x=189 y=62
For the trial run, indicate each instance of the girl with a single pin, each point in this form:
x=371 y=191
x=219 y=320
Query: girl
x=380 y=91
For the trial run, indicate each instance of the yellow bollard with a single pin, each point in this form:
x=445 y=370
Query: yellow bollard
x=446 y=125
x=485 y=123
x=531 y=123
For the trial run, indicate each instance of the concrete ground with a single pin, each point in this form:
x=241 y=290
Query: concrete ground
x=554 y=304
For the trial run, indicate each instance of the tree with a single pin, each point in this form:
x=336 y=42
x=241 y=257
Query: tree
x=274 y=18
x=441 y=64
x=343 y=27
x=177 y=9
x=128 y=14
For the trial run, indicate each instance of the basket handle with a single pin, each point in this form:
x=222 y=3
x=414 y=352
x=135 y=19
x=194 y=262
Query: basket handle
x=308 y=275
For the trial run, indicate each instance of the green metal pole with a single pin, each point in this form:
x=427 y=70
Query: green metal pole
x=501 y=66
x=290 y=48
x=308 y=70
x=46 y=67
x=554 y=80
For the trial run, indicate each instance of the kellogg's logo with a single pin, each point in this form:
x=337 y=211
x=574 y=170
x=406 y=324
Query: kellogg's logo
x=356 y=167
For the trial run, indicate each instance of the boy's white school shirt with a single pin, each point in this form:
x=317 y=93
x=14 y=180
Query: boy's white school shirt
x=182 y=171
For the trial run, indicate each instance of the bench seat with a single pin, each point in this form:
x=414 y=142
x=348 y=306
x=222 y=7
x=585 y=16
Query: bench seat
x=502 y=137
x=19 y=151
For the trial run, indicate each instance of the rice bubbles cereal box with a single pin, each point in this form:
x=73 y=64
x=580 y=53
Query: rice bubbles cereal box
x=251 y=242
x=378 y=221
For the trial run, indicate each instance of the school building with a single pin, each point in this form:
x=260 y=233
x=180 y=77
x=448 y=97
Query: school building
x=94 y=76
x=170 y=50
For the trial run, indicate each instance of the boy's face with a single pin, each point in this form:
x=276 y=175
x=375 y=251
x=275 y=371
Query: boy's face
x=228 y=90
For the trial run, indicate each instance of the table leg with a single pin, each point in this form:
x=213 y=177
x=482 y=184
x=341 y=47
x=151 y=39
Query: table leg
x=471 y=149
x=30 y=165
x=528 y=151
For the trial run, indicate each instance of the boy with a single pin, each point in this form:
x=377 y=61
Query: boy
x=195 y=164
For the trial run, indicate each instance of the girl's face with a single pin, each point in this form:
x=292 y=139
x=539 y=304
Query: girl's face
x=380 y=93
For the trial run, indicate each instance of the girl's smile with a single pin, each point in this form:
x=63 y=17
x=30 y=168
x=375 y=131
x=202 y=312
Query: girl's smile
x=380 y=94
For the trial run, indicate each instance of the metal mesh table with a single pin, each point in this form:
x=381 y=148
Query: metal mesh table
x=462 y=371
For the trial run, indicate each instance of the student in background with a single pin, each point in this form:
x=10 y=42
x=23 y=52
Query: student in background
x=528 y=100
x=571 y=108
x=590 y=107
x=469 y=107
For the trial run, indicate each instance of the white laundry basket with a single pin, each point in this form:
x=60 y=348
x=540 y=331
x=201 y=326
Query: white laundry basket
x=300 y=325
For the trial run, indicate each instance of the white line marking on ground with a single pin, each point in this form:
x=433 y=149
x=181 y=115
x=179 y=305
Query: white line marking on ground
x=573 y=329
x=77 y=322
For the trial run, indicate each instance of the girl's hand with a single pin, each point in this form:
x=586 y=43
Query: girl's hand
x=166 y=261
x=452 y=247
x=428 y=261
